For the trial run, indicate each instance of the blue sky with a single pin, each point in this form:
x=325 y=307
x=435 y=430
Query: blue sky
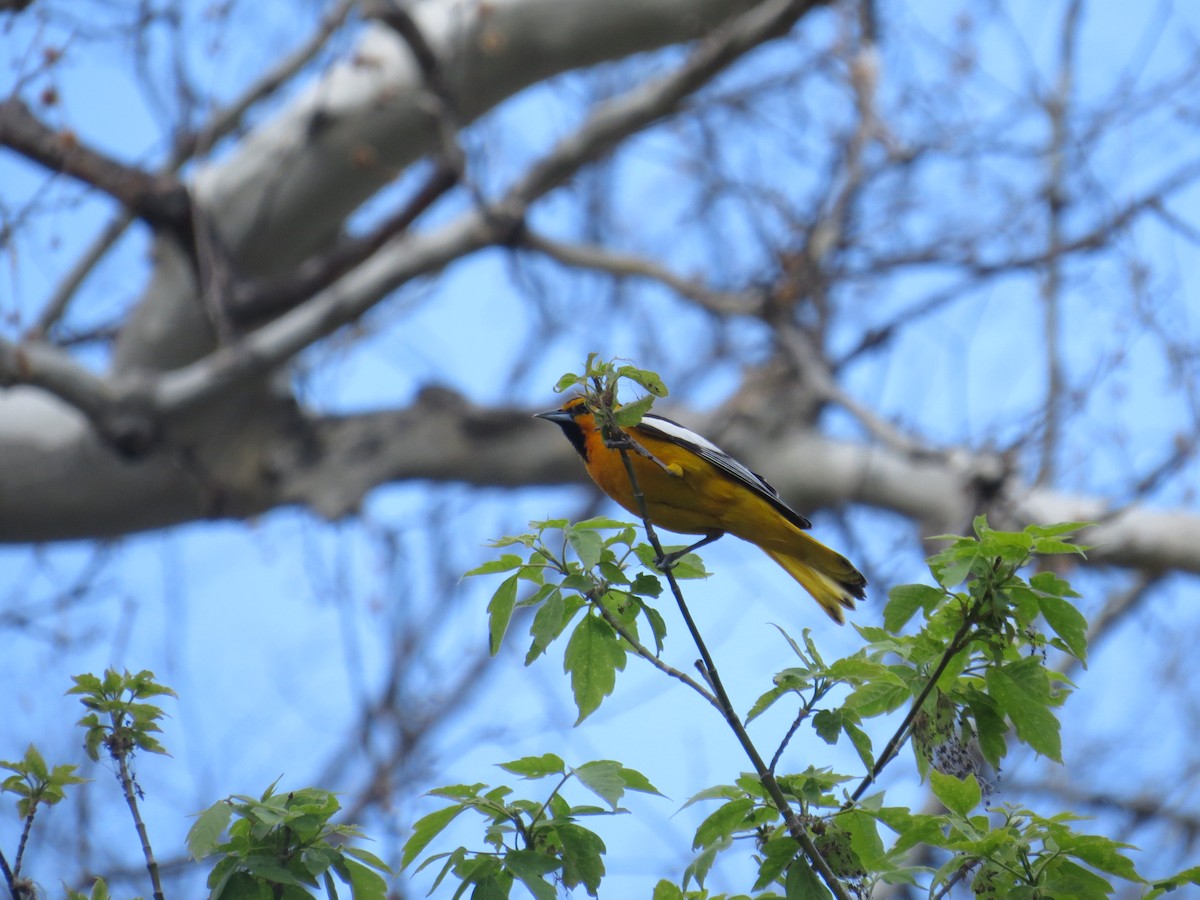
x=272 y=632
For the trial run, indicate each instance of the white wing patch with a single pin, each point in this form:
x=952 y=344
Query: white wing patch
x=681 y=435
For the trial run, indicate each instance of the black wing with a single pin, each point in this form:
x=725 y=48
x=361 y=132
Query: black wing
x=669 y=430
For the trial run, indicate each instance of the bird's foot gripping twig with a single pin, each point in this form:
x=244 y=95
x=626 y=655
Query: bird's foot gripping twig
x=668 y=560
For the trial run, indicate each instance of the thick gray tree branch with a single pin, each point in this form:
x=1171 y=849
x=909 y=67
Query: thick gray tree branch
x=330 y=464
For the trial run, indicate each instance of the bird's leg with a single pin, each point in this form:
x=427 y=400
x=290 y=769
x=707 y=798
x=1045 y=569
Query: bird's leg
x=668 y=560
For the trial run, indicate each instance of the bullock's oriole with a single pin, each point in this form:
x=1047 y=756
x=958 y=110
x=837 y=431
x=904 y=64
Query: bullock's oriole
x=691 y=486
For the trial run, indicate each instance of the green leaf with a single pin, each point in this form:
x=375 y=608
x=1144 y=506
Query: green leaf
x=603 y=778
x=588 y=545
x=861 y=742
x=912 y=829
x=646 y=378
x=629 y=414
x=500 y=610
x=318 y=859
x=1011 y=546
x=699 y=867
x=864 y=837
x=365 y=883
x=904 y=600
x=636 y=781
x=368 y=858
x=856 y=669
x=506 y=563
x=802 y=883
x=530 y=868
x=593 y=657
x=959 y=795
x=99 y=891
x=548 y=623
x=1100 y=853
x=1047 y=546
x=990 y=727
x=603 y=523
x=582 y=855
x=567 y=381
x=665 y=890
x=877 y=697
x=535 y=766
x=723 y=822
x=268 y=868
x=766 y=701
x=35 y=765
x=658 y=625
x=1022 y=689
x=716 y=792
x=1058 y=529
x=1063 y=878
x=1049 y=583
x=205 y=833
x=777 y=854
x=1068 y=623
x=1187 y=876
x=425 y=830
x=828 y=724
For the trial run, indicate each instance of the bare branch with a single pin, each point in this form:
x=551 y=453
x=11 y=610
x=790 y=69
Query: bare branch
x=220 y=124
x=225 y=120
x=160 y=200
x=57 y=305
x=628 y=265
x=633 y=111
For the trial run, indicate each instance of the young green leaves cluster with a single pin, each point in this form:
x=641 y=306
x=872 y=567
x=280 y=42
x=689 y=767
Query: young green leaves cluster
x=35 y=783
x=574 y=569
x=279 y=845
x=599 y=382
x=119 y=721
x=533 y=842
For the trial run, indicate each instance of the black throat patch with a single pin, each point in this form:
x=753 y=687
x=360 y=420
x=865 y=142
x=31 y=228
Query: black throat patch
x=575 y=435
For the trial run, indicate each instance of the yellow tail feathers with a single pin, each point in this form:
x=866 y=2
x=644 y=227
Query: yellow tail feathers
x=826 y=574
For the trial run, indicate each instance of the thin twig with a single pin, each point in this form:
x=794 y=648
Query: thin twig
x=709 y=670
x=803 y=714
x=159 y=198
x=131 y=798
x=645 y=653
x=629 y=265
x=9 y=878
x=954 y=879
x=24 y=841
x=56 y=306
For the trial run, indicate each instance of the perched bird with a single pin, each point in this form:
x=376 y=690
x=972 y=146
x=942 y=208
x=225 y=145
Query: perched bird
x=691 y=486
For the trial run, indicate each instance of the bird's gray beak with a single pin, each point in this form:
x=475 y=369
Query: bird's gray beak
x=557 y=416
